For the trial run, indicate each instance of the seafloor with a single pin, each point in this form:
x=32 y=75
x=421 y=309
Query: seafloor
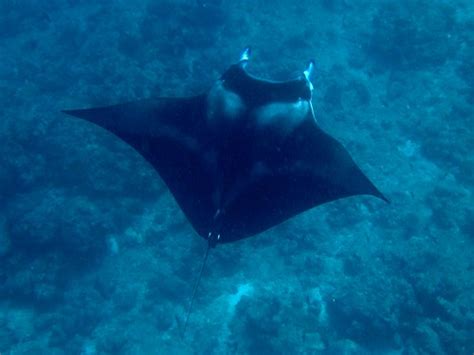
x=96 y=257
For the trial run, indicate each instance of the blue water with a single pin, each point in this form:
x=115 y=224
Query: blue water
x=97 y=258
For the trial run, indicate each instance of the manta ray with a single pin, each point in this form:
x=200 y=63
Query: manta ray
x=242 y=157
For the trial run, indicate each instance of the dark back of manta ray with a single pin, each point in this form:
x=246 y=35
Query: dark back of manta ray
x=241 y=158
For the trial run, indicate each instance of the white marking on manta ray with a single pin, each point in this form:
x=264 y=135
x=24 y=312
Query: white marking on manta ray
x=286 y=116
x=223 y=103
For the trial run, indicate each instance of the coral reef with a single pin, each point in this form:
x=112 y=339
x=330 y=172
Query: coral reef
x=96 y=257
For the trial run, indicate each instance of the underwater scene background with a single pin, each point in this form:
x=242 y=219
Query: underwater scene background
x=97 y=258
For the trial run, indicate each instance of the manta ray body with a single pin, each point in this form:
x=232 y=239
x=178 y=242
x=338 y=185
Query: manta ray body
x=241 y=158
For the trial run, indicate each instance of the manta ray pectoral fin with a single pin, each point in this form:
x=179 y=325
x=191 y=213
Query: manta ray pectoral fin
x=170 y=134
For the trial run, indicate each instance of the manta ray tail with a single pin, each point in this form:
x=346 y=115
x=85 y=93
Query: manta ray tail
x=196 y=286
